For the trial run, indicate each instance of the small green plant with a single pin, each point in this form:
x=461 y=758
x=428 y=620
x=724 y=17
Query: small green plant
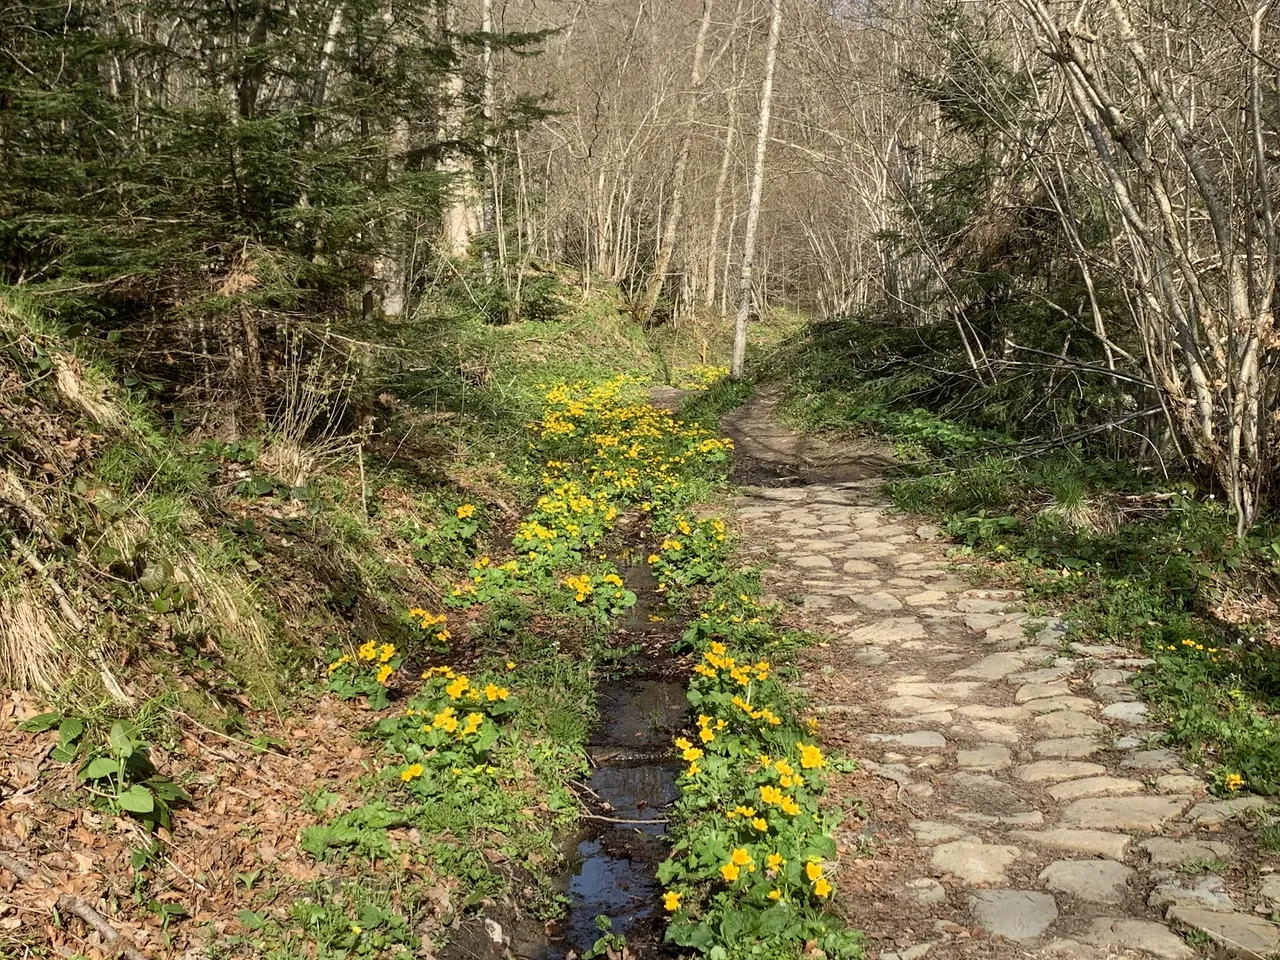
x=608 y=944
x=1199 y=865
x=118 y=772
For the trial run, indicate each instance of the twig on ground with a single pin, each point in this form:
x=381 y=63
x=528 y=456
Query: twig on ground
x=77 y=907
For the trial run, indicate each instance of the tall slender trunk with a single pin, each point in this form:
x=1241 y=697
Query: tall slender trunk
x=717 y=211
x=643 y=309
x=757 y=189
x=461 y=214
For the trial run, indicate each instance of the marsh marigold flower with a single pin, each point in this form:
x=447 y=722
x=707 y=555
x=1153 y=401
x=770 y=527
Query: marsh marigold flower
x=466 y=510
x=411 y=772
x=671 y=901
x=730 y=872
x=822 y=888
x=384 y=673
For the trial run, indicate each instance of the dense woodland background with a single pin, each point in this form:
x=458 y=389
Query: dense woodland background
x=1069 y=206
x=1053 y=223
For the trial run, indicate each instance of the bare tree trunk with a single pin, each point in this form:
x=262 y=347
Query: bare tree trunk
x=717 y=212
x=643 y=309
x=461 y=215
x=757 y=190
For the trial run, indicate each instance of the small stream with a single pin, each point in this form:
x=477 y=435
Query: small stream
x=633 y=782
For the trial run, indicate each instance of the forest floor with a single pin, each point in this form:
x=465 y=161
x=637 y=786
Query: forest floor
x=1018 y=802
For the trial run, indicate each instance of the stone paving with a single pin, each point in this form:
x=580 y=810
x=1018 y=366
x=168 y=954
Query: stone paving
x=1018 y=801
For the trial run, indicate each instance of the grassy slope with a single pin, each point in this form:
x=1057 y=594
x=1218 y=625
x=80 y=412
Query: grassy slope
x=1128 y=557
x=180 y=593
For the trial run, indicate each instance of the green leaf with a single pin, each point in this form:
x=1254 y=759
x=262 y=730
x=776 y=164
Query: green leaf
x=40 y=723
x=121 y=739
x=64 y=752
x=100 y=767
x=137 y=800
x=251 y=921
x=70 y=729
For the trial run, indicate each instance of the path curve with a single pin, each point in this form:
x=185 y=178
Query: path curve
x=1017 y=801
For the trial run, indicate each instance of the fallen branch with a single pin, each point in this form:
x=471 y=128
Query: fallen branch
x=77 y=907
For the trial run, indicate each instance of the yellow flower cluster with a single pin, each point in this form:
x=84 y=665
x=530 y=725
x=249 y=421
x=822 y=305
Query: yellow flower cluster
x=580 y=584
x=466 y=510
x=700 y=376
x=427 y=621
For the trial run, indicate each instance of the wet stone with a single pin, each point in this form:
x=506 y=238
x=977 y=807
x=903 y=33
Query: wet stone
x=1099 y=881
x=1017 y=915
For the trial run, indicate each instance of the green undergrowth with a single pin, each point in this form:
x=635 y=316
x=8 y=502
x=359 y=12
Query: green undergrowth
x=753 y=855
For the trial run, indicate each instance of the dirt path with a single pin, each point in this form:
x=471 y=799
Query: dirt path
x=1017 y=800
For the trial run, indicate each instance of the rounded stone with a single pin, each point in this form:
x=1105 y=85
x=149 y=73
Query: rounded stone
x=1099 y=881
x=1017 y=915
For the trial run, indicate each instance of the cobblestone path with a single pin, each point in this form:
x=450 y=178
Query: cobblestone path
x=1017 y=799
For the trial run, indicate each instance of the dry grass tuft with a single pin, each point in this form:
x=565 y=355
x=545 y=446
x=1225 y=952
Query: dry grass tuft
x=31 y=647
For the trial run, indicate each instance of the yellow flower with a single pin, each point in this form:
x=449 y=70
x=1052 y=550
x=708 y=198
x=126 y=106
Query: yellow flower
x=671 y=901
x=511 y=664
x=789 y=806
x=774 y=861
x=494 y=692
x=411 y=772
x=740 y=857
x=730 y=872
x=691 y=754
x=458 y=687
x=466 y=510
x=386 y=652
x=813 y=870
x=356 y=929
x=705 y=735
x=654 y=558
x=1233 y=782
x=682 y=743
x=771 y=795
x=822 y=889
x=811 y=757
x=368 y=651
x=775 y=894
x=384 y=673
x=694 y=769
x=760 y=824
